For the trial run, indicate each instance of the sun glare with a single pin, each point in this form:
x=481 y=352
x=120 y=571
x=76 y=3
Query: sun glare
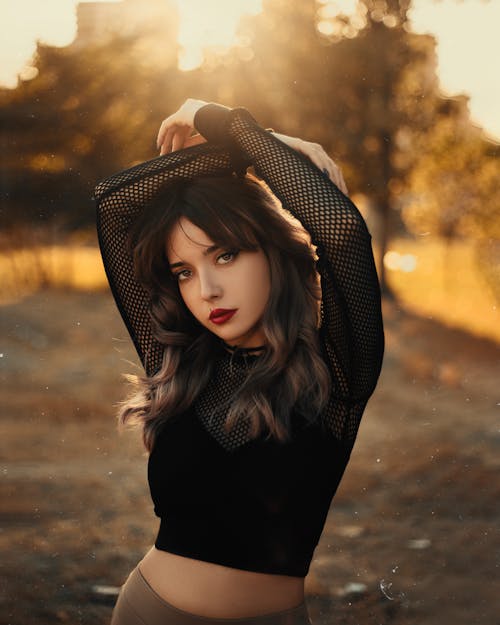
x=331 y=8
x=213 y=24
x=209 y=24
x=25 y=21
x=468 y=50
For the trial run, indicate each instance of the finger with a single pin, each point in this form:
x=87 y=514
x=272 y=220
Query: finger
x=335 y=177
x=161 y=132
x=338 y=178
x=321 y=159
x=342 y=186
x=177 y=140
x=194 y=140
x=334 y=172
x=166 y=126
x=166 y=145
x=315 y=157
x=180 y=137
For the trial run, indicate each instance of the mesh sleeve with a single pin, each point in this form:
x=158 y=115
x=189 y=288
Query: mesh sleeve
x=351 y=329
x=119 y=200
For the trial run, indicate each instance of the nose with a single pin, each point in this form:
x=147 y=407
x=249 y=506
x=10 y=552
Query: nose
x=210 y=287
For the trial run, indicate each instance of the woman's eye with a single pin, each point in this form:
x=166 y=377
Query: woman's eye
x=227 y=256
x=180 y=276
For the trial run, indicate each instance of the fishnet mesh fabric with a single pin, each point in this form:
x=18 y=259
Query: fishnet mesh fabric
x=351 y=331
x=120 y=199
x=351 y=322
x=211 y=407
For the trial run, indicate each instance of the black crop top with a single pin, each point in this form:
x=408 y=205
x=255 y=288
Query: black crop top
x=253 y=504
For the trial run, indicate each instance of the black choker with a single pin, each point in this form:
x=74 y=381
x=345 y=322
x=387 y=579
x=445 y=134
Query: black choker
x=243 y=350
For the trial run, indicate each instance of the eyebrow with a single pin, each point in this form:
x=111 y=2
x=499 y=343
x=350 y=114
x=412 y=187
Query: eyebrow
x=206 y=252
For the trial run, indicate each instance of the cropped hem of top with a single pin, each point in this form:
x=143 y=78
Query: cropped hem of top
x=252 y=502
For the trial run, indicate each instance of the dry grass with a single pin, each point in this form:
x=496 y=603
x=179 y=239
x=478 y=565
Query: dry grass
x=74 y=267
x=448 y=286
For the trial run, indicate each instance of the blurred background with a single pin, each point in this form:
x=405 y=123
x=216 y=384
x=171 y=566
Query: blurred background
x=405 y=97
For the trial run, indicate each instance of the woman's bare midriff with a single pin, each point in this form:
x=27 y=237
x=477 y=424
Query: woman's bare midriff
x=217 y=591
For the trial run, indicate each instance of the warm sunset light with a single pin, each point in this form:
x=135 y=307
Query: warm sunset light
x=100 y=347
x=25 y=21
x=202 y=24
x=462 y=68
x=209 y=24
x=468 y=49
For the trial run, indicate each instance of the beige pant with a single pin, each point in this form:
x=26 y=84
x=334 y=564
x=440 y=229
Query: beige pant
x=139 y=604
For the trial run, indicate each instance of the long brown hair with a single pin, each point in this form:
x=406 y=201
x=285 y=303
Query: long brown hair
x=236 y=213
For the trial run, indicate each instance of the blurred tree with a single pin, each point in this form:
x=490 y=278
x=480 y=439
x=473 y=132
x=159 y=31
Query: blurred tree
x=381 y=96
x=454 y=186
x=454 y=191
x=278 y=82
x=362 y=85
x=75 y=123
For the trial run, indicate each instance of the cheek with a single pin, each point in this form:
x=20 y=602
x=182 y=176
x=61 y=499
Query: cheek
x=262 y=282
x=188 y=299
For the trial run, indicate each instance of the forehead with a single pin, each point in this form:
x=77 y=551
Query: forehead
x=184 y=238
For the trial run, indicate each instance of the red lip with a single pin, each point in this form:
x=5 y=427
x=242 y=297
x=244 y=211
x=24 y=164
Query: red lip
x=220 y=315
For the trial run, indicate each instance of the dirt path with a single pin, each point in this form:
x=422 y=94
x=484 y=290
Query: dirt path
x=412 y=536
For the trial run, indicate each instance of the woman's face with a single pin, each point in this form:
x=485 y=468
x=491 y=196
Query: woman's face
x=212 y=278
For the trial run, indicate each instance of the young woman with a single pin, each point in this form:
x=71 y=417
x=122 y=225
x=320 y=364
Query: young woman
x=262 y=341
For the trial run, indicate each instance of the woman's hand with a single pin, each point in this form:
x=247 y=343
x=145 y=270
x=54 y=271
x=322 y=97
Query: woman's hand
x=175 y=131
x=318 y=156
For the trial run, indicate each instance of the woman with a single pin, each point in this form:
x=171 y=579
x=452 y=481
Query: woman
x=258 y=369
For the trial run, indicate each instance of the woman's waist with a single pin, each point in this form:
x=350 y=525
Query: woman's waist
x=214 y=590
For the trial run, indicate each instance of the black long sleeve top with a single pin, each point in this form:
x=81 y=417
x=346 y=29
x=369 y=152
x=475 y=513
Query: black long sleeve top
x=253 y=503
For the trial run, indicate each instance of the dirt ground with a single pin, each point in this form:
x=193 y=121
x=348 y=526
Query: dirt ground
x=412 y=536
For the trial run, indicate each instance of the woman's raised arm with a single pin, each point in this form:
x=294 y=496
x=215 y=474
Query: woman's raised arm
x=120 y=199
x=352 y=329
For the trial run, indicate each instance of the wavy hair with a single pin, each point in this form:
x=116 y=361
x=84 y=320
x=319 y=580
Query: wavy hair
x=291 y=374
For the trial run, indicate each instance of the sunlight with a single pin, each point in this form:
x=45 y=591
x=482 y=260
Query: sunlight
x=400 y=262
x=332 y=8
x=209 y=24
x=466 y=56
x=203 y=23
x=23 y=22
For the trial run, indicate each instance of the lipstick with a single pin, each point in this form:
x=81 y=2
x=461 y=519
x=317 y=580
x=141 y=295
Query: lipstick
x=221 y=315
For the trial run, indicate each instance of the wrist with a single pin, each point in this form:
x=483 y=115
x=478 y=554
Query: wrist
x=211 y=120
x=193 y=106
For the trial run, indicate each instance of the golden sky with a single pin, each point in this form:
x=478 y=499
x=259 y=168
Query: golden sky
x=466 y=30
x=468 y=52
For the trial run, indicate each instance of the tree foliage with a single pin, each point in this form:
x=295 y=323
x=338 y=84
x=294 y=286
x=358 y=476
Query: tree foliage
x=363 y=86
x=454 y=188
x=88 y=112
x=365 y=91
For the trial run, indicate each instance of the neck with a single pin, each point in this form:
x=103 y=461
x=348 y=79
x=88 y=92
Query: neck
x=246 y=350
